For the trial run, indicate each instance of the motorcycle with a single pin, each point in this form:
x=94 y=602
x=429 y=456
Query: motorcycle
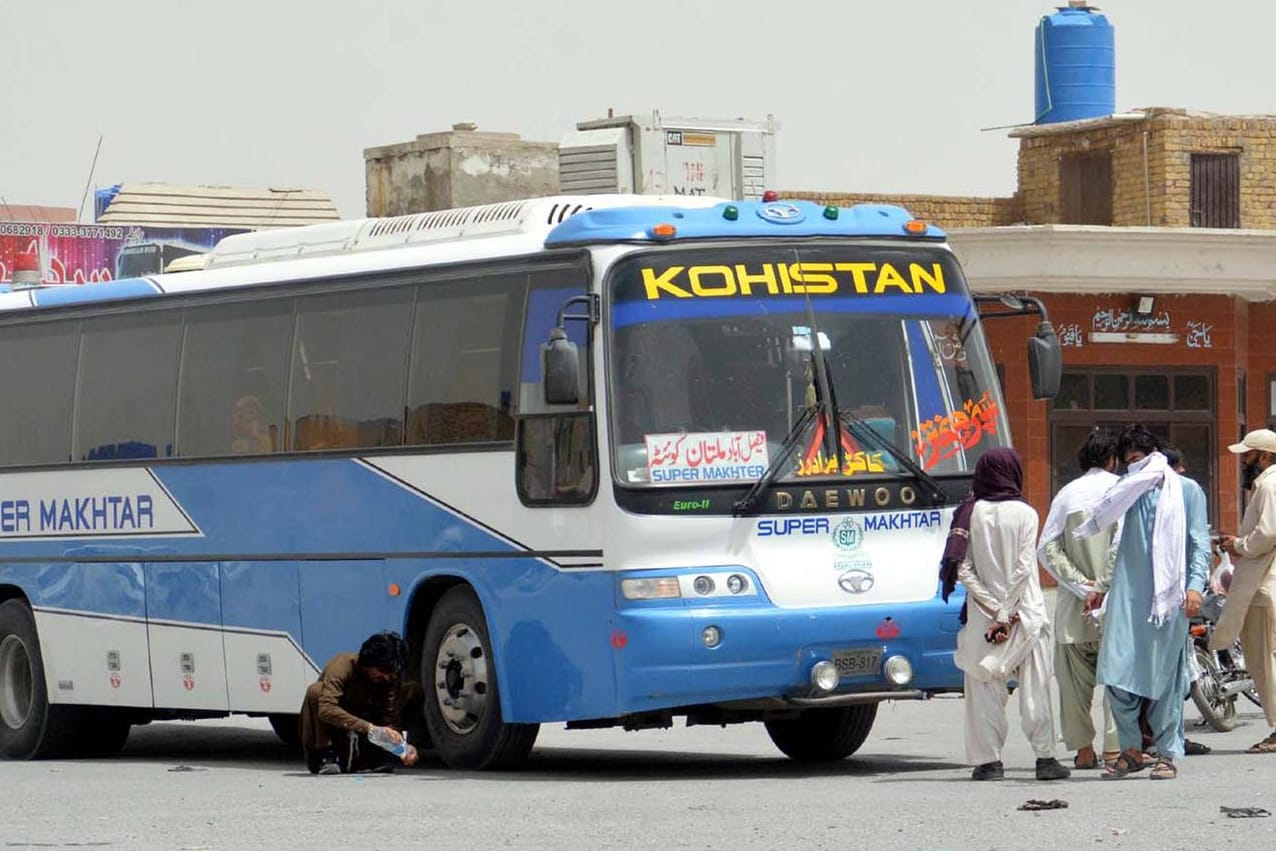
x=1218 y=676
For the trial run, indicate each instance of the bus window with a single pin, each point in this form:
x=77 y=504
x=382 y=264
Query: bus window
x=234 y=376
x=36 y=383
x=463 y=357
x=348 y=360
x=124 y=404
x=557 y=459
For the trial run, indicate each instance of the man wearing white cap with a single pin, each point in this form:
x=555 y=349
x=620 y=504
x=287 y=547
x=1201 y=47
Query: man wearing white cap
x=1251 y=597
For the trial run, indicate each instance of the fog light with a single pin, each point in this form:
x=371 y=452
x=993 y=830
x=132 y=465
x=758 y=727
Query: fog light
x=737 y=584
x=824 y=676
x=711 y=636
x=898 y=670
x=703 y=585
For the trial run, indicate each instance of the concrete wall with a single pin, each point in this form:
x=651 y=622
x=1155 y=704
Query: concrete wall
x=458 y=168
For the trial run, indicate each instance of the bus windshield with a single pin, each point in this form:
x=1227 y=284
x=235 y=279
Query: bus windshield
x=713 y=363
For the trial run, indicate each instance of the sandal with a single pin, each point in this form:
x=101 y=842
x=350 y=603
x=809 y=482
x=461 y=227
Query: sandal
x=1121 y=767
x=1192 y=748
x=1164 y=770
x=1092 y=762
x=1267 y=745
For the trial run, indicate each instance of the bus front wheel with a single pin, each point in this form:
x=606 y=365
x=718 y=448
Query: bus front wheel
x=30 y=728
x=462 y=697
x=823 y=735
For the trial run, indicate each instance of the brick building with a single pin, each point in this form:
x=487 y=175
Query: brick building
x=1150 y=236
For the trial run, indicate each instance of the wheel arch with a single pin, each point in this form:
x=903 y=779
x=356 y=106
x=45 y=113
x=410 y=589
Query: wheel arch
x=425 y=596
x=13 y=592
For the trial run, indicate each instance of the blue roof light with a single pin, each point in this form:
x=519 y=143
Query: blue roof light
x=739 y=218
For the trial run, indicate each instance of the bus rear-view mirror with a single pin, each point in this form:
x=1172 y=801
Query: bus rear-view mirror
x=560 y=365
x=1045 y=362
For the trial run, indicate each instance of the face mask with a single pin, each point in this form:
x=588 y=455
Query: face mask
x=1249 y=473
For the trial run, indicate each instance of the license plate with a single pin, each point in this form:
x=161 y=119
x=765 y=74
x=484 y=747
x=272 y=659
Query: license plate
x=855 y=663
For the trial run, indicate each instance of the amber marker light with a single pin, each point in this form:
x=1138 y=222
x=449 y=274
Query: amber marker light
x=915 y=226
x=394 y=589
x=664 y=230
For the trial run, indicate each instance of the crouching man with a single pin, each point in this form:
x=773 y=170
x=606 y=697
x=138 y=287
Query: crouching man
x=358 y=694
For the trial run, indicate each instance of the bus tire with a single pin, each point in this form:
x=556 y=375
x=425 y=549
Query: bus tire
x=462 y=696
x=823 y=735
x=99 y=733
x=30 y=727
x=287 y=727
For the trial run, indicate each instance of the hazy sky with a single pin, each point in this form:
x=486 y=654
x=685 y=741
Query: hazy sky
x=871 y=96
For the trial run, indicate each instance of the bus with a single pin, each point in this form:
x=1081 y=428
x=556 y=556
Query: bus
x=601 y=460
x=148 y=258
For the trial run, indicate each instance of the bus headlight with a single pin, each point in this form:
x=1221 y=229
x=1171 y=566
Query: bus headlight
x=703 y=585
x=898 y=670
x=737 y=584
x=711 y=636
x=650 y=589
x=824 y=676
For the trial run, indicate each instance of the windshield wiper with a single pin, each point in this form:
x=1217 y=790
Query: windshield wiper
x=861 y=430
x=747 y=503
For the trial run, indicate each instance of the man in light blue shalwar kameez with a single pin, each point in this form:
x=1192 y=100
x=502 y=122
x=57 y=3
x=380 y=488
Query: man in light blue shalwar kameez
x=1161 y=568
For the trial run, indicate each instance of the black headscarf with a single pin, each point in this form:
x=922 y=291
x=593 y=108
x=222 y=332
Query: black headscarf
x=998 y=478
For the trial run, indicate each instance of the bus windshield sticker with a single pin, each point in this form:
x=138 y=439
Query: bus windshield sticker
x=706 y=456
x=943 y=436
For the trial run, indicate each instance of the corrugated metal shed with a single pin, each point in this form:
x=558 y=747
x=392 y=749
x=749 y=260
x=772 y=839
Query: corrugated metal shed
x=165 y=205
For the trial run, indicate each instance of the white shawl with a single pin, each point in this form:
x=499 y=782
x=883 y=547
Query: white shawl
x=1169 y=530
x=1078 y=495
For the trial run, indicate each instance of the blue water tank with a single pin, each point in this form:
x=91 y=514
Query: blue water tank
x=1076 y=65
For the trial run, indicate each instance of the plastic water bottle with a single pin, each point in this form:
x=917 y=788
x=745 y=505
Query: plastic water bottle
x=380 y=736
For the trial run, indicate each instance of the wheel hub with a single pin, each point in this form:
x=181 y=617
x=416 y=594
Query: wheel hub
x=461 y=678
x=16 y=682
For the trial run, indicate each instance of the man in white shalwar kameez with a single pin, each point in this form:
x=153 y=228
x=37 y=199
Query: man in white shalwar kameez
x=993 y=541
x=1161 y=569
x=1250 y=611
x=1081 y=568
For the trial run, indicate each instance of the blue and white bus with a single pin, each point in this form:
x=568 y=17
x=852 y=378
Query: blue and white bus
x=603 y=461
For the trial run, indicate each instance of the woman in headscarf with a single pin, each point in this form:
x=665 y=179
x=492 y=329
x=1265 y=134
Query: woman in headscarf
x=992 y=551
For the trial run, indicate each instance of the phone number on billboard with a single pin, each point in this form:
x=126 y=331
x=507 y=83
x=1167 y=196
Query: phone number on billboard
x=10 y=229
x=89 y=231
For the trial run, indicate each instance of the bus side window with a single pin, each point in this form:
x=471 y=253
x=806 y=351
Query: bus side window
x=557 y=445
x=233 y=379
x=349 y=359
x=124 y=403
x=36 y=387
x=461 y=380
x=556 y=459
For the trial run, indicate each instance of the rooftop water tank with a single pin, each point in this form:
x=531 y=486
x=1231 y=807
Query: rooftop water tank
x=1076 y=65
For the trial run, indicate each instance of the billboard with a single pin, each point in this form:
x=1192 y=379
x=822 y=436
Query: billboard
x=86 y=254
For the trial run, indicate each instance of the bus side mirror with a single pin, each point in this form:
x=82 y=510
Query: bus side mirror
x=560 y=368
x=1045 y=362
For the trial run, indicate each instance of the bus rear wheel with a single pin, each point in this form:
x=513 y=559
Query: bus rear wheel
x=823 y=735
x=30 y=728
x=287 y=727
x=462 y=697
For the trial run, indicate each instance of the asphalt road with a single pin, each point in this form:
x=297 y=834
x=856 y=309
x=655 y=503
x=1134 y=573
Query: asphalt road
x=231 y=784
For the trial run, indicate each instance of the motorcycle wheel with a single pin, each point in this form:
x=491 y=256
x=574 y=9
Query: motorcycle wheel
x=1237 y=657
x=1217 y=710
